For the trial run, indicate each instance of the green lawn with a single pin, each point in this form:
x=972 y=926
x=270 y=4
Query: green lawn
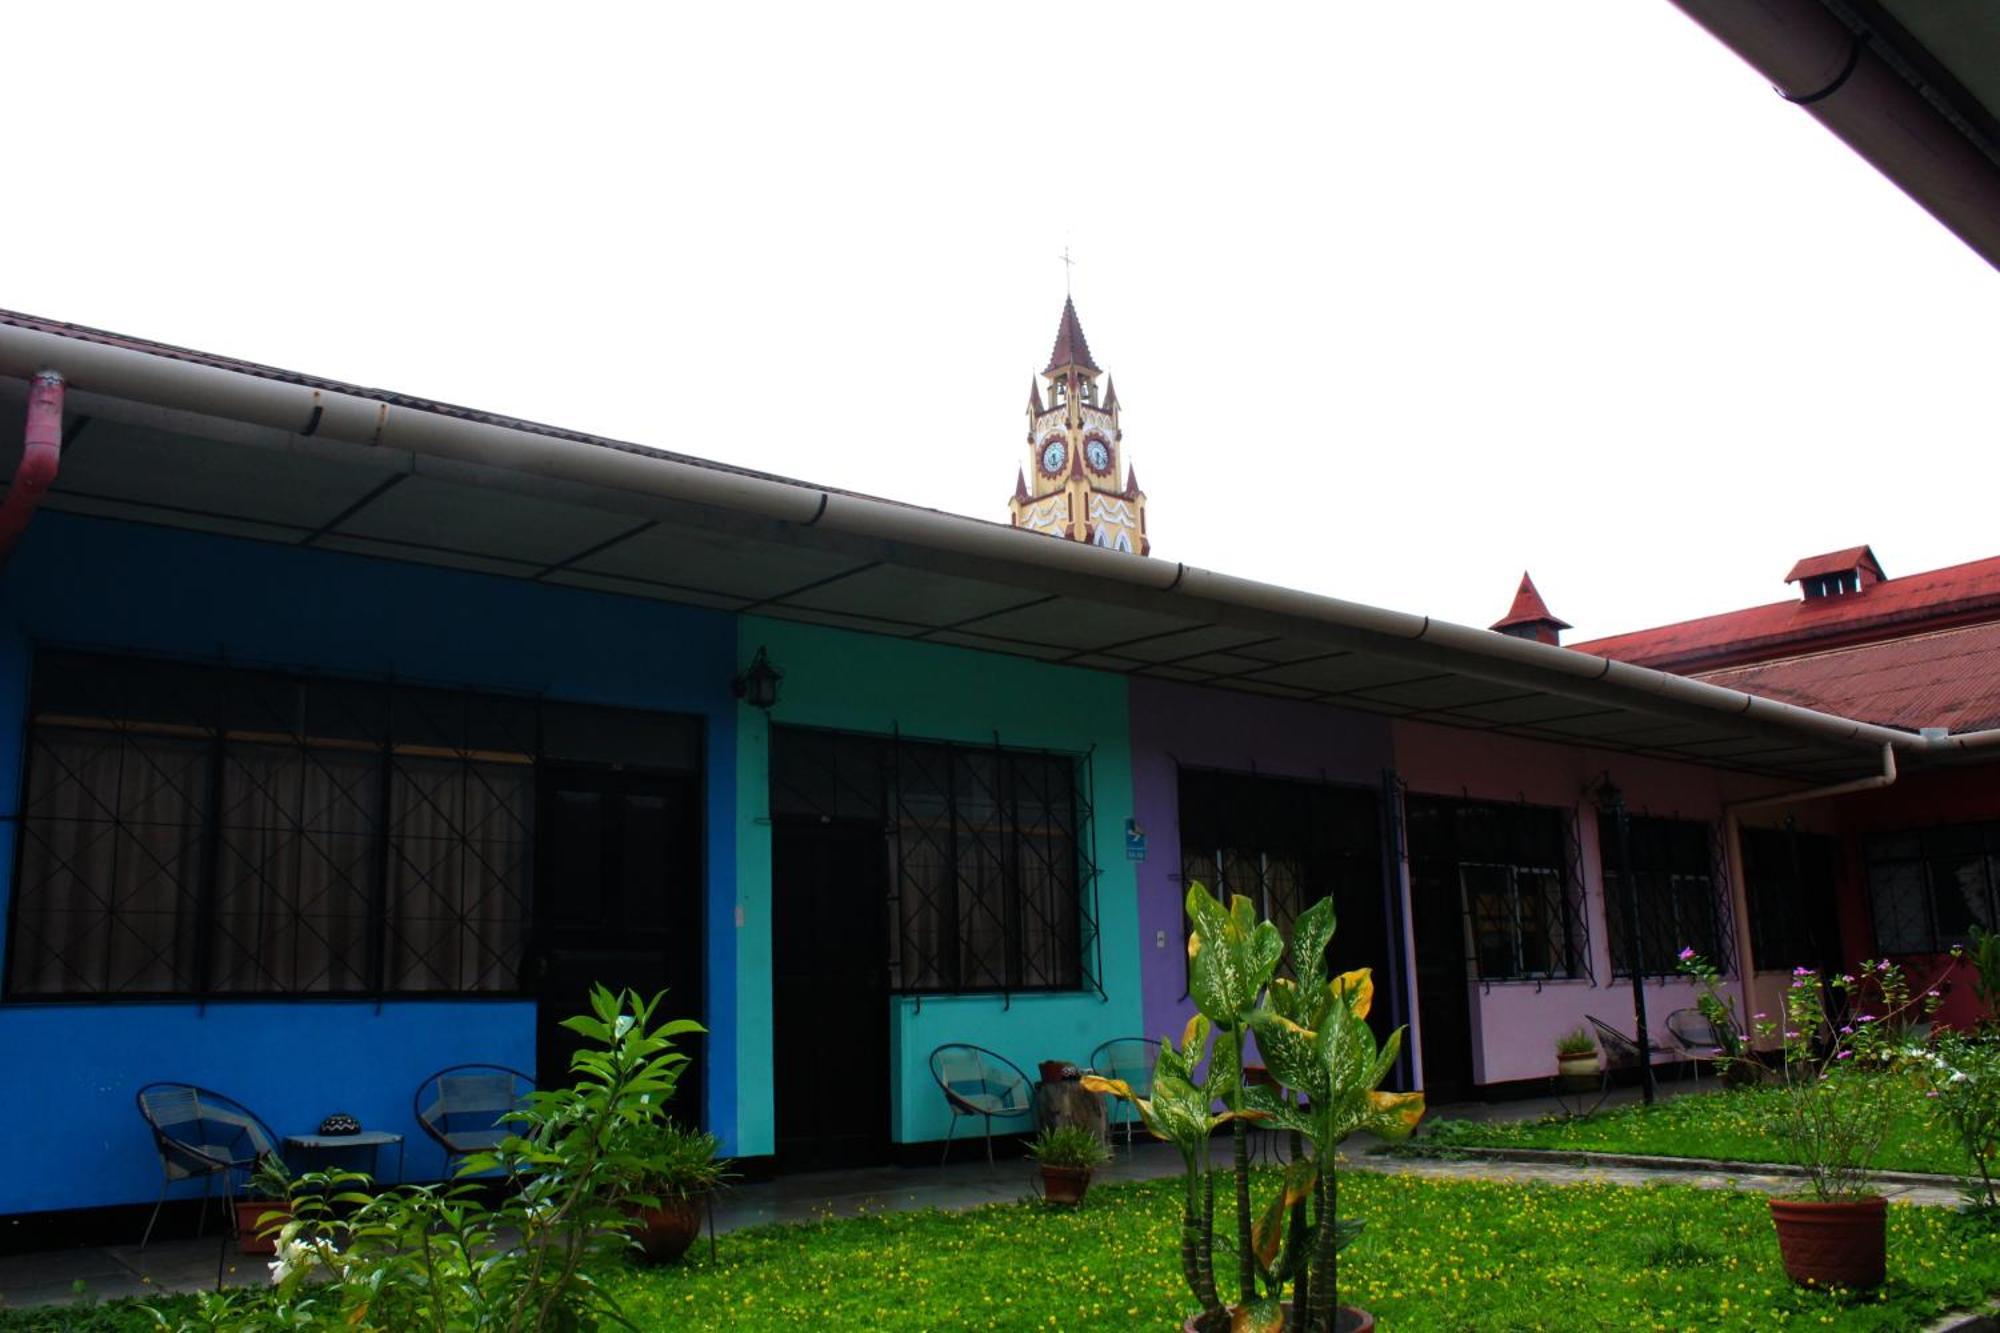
x=1734 y=1126
x=1438 y=1255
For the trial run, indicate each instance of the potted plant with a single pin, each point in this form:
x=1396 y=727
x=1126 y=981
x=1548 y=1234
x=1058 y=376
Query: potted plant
x=1325 y=1068
x=1839 y=1098
x=673 y=1170
x=264 y=1206
x=1068 y=1155
x=1576 y=1060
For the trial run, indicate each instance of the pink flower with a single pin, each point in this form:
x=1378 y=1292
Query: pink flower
x=1802 y=972
x=1686 y=954
x=1760 y=1014
x=1864 y=1018
x=1882 y=966
x=1845 y=1055
x=1847 y=1032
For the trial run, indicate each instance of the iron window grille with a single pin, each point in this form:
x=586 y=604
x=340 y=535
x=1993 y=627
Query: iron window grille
x=1683 y=894
x=1284 y=843
x=1514 y=870
x=992 y=885
x=1788 y=884
x=1927 y=888
x=208 y=832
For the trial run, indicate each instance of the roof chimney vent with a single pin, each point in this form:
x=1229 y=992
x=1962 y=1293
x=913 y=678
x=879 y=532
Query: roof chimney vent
x=1836 y=574
x=1529 y=617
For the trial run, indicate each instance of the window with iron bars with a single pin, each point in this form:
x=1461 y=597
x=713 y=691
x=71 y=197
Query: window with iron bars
x=200 y=831
x=1927 y=888
x=1285 y=843
x=991 y=885
x=1788 y=881
x=1514 y=873
x=1682 y=902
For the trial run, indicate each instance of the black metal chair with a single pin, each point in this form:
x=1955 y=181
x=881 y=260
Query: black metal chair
x=1129 y=1059
x=983 y=1083
x=202 y=1133
x=465 y=1108
x=1696 y=1035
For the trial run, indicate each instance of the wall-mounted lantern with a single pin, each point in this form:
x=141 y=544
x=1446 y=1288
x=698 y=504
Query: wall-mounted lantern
x=758 y=686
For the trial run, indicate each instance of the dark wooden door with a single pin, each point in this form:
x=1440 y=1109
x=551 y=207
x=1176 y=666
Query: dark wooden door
x=1444 y=1001
x=618 y=902
x=830 y=994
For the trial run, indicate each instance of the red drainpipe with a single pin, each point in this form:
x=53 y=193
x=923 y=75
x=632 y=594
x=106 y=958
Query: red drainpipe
x=38 y=460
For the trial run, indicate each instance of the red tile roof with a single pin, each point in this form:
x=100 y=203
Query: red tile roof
x=1528 y=608
x=1835 y=562
x=1941 y=679
x=1070 y=347
x=1912 y=604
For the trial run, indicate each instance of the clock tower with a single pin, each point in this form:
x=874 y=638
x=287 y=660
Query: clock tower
x=1071 y=486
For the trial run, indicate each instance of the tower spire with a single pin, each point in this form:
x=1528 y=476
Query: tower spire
x=1070 y=348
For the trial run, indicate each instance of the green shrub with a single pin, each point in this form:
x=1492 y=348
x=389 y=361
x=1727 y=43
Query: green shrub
x=1069 y=1145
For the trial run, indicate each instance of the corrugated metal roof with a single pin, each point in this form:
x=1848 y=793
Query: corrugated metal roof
x=1914 y=603
x=1941 y=679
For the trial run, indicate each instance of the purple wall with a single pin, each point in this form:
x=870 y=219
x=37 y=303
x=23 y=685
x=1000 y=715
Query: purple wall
x=1177 y=724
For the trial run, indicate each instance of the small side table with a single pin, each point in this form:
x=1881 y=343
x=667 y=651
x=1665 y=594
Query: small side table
x=372 y=1139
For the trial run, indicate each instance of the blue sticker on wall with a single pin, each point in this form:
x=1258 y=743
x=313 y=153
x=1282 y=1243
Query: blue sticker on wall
x=1135 y=841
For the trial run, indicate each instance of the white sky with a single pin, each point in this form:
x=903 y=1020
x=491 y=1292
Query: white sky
x=1400 y=299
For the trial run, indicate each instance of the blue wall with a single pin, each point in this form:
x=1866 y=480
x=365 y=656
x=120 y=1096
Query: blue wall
x=75 y=1138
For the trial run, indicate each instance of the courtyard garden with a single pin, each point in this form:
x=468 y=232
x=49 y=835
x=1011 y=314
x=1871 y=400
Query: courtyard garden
x=602 y=1196
x=1437 y=1255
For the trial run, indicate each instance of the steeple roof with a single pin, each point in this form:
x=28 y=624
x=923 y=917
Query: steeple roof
x=1528 y=609
x=1070 y=349
x=1034 y=397
x=1110 y=394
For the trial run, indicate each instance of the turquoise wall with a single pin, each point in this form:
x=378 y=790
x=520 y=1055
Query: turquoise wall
x=856 y=682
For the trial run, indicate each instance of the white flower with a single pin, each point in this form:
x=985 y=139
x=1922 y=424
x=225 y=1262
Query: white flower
x=623 y=1026
x=293 y=1256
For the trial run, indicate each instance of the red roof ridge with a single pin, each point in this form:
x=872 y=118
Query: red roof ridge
x=1835 y=649
x=1071 y=349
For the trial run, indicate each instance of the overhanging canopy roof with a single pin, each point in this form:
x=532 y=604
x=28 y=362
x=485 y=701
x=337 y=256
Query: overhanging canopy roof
x=165 y=436
x=1913 y=86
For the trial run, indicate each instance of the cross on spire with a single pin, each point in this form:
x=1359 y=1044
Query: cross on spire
x=1069 y=267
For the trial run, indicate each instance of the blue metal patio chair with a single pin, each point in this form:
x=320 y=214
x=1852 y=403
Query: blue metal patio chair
x=1129 y=1059
x=979 y=1082
x=202 y=1133
x=466 y=1108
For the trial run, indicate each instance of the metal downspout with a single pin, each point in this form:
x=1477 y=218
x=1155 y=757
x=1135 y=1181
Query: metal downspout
x=41 y=454
x=1732 y=832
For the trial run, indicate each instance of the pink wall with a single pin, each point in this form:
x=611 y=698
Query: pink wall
x=1515 y=1023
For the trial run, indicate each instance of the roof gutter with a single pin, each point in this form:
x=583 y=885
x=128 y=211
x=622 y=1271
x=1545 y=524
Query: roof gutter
x=1819 y=63
x=990 y=549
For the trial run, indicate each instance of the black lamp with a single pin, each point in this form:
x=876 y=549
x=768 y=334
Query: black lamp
x=758 y=686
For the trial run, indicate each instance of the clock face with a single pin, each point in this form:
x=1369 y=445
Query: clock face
x=1097 y=454
x=1054 y=455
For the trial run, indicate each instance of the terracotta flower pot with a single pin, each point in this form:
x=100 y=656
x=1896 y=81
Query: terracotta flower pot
x=1064 y=1184
x=1834 y=1244
x=247 y=1213
x=664 y=1233
x=1347 y=1319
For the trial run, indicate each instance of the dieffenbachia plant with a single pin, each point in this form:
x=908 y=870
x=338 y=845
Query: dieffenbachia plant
x=1312 y=1032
